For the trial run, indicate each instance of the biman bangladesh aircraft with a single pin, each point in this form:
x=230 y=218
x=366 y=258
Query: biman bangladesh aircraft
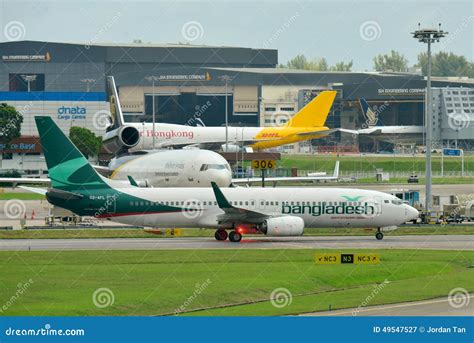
x=76 y=186
x=307 y=124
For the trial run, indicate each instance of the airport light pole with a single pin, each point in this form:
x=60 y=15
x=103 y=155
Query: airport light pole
x=152 y=79
x=88 y=83
x=226 y=79
x=428 y=36
x=28 y=79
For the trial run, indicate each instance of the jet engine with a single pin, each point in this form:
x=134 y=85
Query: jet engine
x=122 y=138
x=283 y=226
x=231 y=148
x=143 y=183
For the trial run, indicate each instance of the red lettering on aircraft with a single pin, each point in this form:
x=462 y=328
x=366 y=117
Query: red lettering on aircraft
x=168 y=134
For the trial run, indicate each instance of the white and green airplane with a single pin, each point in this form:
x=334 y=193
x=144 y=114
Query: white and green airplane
x=76 y=186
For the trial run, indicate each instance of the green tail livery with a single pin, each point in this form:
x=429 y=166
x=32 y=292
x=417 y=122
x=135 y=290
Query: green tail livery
x=76 y=186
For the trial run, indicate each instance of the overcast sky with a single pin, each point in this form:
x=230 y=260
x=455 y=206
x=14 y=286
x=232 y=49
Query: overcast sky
x=337 y=30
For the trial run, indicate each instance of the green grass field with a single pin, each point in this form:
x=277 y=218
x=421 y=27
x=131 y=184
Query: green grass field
x=369 y=163
x=230 y=282
x=21 y=196
x=138 y=233
x=393 y=181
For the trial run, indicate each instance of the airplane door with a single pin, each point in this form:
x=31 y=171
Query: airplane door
x=111 y=204
x=193 y=172
x=378 y=205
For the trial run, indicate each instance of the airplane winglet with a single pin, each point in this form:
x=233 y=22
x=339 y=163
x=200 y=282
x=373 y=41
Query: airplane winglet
x=336 y=170
x=132 y=181
x=222 y=202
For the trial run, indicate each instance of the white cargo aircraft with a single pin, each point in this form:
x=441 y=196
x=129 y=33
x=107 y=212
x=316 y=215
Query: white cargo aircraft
x=76 y=186
x=308 y=123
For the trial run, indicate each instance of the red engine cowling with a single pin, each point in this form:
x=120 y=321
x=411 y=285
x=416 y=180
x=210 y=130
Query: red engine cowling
x=283 y=226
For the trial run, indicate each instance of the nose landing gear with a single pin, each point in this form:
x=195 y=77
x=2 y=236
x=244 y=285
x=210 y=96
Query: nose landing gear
x=379 y=234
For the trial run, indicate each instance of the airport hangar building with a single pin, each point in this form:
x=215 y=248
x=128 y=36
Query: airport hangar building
x=189 y=85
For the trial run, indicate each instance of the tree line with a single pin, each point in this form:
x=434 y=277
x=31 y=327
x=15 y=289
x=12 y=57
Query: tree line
x=443 y=64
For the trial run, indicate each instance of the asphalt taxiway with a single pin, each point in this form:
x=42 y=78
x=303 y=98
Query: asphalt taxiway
x=435 y=242
x=432 y=307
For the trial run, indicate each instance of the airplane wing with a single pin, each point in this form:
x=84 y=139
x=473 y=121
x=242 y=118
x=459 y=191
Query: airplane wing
x=36 y=190
x=17 y=180
x=104 y=171
x=211 y=145
x=354 y=132
x=235 y=214
x=371 y=131
x=333 y=177
x=279 y=179
x=315 y=132
x=329 y=131
x=38 y=180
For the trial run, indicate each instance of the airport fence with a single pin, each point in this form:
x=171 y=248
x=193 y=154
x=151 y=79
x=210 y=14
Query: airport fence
x=283 y=172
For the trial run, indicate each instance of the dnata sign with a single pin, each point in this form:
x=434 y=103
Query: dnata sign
x=75 y=112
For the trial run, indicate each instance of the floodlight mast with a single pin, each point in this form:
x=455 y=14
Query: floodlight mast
x=88 y=83
x=29 y=79
x=152 y=79
x=428 y=36
x=226 y=79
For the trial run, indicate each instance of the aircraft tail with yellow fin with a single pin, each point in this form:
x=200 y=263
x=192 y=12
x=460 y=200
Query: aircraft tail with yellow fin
x=315 y=113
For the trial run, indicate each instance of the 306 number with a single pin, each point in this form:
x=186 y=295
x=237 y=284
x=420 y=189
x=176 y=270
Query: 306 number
x=263 y=164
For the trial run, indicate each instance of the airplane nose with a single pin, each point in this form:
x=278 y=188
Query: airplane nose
x=222 y=178
x=412 y=213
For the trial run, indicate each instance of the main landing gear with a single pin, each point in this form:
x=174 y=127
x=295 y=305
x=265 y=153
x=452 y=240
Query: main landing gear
x=221 y=235
x=234 y=236
x=379 y=234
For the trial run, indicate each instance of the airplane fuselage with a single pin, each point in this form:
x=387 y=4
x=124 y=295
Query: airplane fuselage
x=197 y=207
x=174 y=168
x=395 y=134
x=267 y=137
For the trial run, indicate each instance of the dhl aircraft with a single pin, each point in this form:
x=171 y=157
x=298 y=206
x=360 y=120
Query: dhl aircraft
x=76 y=186
x=308 y=123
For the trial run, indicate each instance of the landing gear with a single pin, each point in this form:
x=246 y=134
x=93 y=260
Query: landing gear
x=221 y=235
x=379 y=234
x=234 y=236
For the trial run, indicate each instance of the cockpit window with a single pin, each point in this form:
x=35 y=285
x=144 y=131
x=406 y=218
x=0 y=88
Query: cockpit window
x=397 y=202
x=205 y=167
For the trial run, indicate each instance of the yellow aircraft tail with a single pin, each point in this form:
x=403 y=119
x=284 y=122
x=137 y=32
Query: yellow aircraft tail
x=315 y=112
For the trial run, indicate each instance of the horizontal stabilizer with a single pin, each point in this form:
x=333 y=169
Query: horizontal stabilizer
x=36 y=190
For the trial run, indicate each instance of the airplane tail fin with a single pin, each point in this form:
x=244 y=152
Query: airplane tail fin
x=369 y=115
x=68 y=169
x=315 y=113
x=114 y=101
